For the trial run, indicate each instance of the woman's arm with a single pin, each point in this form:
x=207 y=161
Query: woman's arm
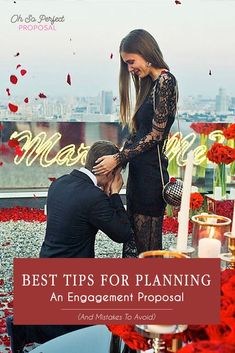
x=166 y=102
x=107 y=163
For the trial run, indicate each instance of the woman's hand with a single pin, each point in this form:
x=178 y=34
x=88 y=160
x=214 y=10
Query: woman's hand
x=105 y=164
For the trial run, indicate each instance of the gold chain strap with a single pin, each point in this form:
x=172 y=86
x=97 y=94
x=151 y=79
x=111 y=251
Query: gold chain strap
x=158 y=148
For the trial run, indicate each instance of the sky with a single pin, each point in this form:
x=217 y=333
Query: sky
x=195 y=37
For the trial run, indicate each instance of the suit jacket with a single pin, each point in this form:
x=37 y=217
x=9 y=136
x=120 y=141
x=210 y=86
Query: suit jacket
x=76 y=210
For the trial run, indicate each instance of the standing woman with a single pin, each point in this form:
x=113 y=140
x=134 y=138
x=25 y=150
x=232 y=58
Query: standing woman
x=154 y=113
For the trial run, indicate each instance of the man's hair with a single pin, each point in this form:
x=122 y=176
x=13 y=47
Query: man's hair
x=97 y=150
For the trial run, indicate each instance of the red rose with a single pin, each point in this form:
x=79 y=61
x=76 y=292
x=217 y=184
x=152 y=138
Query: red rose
x=196 y=200
x=225 y=302
x=225 y=331
x=228 y=288
x=204 y=128
x=132 y=338
x=218 y=153
x=13 y=143
x=229 y=133
x=197 y=332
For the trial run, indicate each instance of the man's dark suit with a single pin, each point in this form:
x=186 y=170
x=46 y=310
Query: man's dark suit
x=76 y=210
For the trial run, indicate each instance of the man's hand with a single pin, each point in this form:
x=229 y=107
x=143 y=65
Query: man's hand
x=117 y=183
x=107 y=187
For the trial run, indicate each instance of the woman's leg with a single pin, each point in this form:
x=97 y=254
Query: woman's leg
x=148 y=232
x=129 y=248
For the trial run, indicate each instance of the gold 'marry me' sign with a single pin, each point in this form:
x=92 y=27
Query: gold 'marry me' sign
x=40 y=148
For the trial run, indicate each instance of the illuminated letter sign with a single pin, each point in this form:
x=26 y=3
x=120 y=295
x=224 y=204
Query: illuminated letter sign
x=41 y=146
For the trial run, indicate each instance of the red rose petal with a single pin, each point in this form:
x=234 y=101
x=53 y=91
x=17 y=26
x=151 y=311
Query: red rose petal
x=13 y=143
x=3 y=148
x=1 y=164
x=52 y=179
x=111 y=55
x=69 y=79
x=17 y=54
x=13 y=79
x=26 y=100
x=13 y=108
x=17 y=67
x=23 y=72
x=21 y=213
x=6 y=243
x=18 y=151
x=42 y=95
x=8 y=92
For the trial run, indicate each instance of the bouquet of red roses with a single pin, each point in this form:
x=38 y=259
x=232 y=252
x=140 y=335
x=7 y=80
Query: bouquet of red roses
x=203 y=338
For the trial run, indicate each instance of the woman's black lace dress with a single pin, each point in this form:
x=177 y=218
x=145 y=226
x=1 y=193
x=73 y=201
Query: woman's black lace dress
x=145 y=204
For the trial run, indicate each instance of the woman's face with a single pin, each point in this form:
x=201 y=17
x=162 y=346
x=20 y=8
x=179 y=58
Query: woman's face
x=136 y=64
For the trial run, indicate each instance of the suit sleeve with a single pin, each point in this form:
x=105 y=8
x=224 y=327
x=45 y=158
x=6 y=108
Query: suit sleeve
x=109 y=215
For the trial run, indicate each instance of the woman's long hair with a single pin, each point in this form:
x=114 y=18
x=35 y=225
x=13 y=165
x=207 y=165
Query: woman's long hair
x=142 y=43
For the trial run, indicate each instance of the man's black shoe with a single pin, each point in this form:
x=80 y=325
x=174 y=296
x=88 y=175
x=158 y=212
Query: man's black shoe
x=17 y=335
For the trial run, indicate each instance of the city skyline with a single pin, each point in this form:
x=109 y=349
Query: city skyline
x=105 y=107
x=192 y=40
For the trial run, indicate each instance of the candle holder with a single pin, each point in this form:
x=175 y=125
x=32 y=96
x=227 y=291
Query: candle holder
x=208 y=236
x=188 y=251
x=162 y=254
x=155 y=331
x=229 y=257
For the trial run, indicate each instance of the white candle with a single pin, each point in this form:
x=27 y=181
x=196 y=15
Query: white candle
x=218 y=193
x=233 y=221
x=183 y=216
x=232 y=194
x=209 y=248
x=45 y=209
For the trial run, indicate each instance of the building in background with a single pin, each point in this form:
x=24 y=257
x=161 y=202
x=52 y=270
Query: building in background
x=221 y=102
x=106 y=102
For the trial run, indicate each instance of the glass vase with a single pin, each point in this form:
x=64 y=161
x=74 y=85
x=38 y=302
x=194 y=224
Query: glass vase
x=201 y=168
x=219 y=181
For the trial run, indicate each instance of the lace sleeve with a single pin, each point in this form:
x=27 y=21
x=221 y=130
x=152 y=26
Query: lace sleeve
x=165 y=103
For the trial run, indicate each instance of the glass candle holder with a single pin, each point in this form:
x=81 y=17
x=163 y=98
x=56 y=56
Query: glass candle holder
x=155 y=331
x=229 y=257
x=208 y=236
x=162 y=254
